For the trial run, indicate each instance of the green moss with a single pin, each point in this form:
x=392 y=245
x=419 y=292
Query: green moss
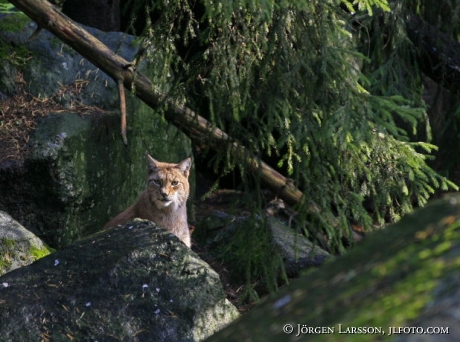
x=55 y=42
x=5 y=260
x=397 y=282
x=14 y=22
x=38 y=253
x=389 y=280
x=4 y=264
x=7 y=243
x=7 y=254
x=6 y=7
x=402 y=285
x=19 y=56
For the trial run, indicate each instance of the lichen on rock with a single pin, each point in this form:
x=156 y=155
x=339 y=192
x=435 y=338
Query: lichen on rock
x=18 y=246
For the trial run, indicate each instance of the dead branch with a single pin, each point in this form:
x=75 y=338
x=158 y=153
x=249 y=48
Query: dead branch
x=122 y=98
x=196 y=127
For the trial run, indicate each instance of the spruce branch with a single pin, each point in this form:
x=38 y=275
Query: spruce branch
x=195 y=126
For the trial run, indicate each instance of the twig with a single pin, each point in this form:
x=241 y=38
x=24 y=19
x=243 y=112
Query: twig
x=121 y=94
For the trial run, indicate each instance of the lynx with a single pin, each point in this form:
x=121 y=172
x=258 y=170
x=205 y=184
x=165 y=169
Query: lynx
x=164 y=200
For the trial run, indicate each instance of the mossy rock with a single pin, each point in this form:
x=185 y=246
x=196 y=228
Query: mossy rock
x=79 y=174
x=406 y=275
x=11 y=19
x=135 y=282
x=18 y=246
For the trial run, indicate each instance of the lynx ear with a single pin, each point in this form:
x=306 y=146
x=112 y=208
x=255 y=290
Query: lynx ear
x=152 y=163
x=184 y=166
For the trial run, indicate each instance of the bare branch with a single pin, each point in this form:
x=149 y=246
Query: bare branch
x=122 y=98
x=196 y=127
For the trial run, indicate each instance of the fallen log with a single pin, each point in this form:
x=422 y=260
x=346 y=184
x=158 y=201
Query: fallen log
x=196 y=127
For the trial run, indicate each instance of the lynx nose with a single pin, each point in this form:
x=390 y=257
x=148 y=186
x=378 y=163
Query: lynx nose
x=163 y=193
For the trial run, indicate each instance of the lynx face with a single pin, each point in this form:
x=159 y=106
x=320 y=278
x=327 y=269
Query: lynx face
x=168 y=185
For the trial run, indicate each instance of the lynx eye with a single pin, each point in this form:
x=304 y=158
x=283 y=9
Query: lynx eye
x=174 y=183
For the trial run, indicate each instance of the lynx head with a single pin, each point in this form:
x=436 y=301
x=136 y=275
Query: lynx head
x=168 y=183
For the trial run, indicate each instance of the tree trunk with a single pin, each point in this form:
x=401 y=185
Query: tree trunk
x=196 y=127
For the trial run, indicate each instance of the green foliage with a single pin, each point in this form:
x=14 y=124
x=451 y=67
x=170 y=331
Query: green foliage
x=367 y=5
x=6 y=7
x=257 y=263
x=12 y=23
x=327 y=91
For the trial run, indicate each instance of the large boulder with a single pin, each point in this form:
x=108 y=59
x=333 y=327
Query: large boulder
x=77 y=174
x=400 y=284
x=18 y=246
x=135 y=282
